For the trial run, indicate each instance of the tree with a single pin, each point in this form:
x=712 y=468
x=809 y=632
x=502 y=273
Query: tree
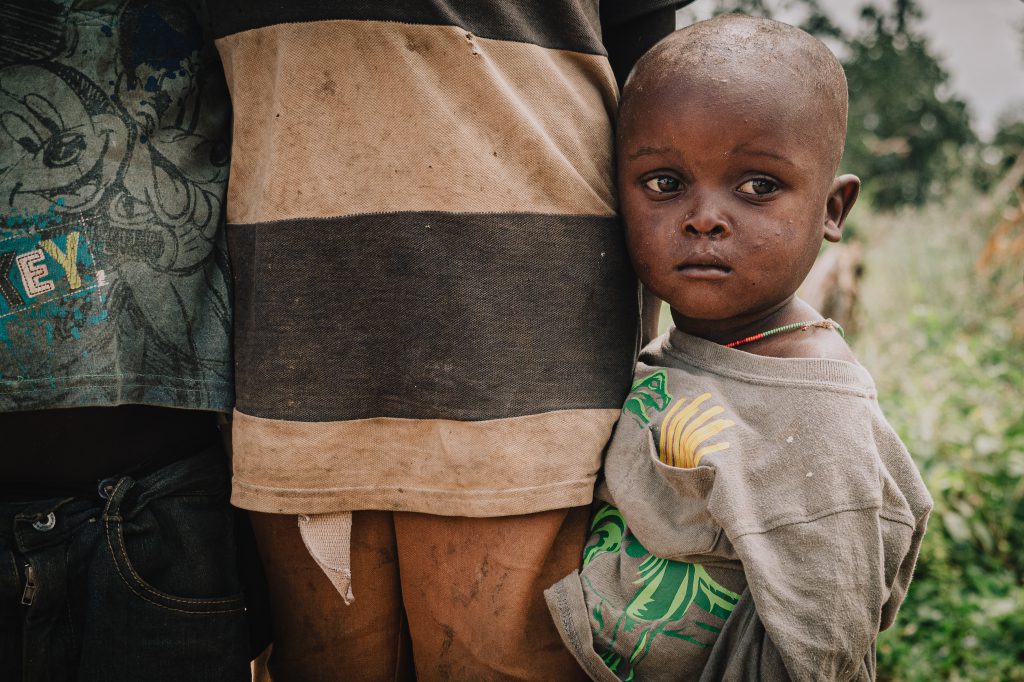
x=906 y=131
x=809 y=14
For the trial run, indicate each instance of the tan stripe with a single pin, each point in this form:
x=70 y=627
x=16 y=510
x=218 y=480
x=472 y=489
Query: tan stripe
x=484 y=468
x=338 y=118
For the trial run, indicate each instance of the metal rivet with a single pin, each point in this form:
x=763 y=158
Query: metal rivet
x=48 y=524
x=106 y=488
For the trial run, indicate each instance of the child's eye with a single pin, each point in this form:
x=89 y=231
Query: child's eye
x=663 y=184
x=759 y=187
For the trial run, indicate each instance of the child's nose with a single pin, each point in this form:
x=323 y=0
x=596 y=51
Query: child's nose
x=703 y=220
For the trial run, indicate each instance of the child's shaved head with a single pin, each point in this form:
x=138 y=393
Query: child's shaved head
x=764 y=60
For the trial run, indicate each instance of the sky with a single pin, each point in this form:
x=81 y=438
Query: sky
x=978 y=42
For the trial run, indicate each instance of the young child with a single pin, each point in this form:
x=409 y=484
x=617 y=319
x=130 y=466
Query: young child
x=758 y=518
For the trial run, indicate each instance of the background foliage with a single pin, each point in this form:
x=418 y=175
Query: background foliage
x=939 y=334
x=909 y=133
x=905 y=130
x=941 y=326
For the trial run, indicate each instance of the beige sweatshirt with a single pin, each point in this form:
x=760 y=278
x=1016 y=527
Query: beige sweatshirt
x=758 y=519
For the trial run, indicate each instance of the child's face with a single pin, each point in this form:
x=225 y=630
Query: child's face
x=724 y=193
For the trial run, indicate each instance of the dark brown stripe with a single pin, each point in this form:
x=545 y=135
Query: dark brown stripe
x=431 y=315
x=559 y=24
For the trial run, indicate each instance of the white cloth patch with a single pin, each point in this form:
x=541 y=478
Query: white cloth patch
x=328 y=539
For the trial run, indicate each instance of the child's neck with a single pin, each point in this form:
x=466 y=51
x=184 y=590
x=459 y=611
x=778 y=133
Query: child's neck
x=734 y=328
x=816 y=342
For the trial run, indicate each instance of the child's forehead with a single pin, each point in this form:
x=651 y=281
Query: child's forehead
x=731 y=42
x=750 y=71
x=730 y=86
x=781 y=78
x=735 y=109
x=724 y=128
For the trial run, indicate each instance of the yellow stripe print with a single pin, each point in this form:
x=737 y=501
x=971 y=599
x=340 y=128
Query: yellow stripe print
x=686 y=428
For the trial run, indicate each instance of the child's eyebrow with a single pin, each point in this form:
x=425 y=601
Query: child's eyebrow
x=646 y=151
x=749 y=150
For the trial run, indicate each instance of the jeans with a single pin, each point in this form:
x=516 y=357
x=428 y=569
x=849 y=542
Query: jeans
x=137 y=583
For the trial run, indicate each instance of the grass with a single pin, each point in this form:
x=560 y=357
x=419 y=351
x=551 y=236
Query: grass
x=939 y=337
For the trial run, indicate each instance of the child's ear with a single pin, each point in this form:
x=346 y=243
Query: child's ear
x=841 y=197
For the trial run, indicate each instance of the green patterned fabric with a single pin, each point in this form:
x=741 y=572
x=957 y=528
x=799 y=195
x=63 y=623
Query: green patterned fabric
x=672 y=599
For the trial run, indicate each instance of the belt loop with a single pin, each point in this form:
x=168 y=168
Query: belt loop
x=115 y=494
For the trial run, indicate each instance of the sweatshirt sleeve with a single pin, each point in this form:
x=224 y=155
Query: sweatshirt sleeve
x=745 y=653
x=820 y=588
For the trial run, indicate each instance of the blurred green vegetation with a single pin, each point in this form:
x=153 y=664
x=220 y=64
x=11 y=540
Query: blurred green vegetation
x=940 y=327
x=941 y=337
x=906 y=131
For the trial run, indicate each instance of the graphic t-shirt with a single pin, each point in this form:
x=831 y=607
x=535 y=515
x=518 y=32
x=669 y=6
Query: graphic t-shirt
x=114 y=154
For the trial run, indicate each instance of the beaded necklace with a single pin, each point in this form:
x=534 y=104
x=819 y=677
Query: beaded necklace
x=802 y=326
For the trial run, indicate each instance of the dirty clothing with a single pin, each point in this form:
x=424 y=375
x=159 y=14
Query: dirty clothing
x=733 y=473
x=435 y=311
x=466 y=604
x=113 y=170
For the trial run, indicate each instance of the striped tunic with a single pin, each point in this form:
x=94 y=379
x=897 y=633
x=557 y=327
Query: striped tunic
x=435 y=311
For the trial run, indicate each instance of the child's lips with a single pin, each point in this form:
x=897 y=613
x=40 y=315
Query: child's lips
x=704 y=267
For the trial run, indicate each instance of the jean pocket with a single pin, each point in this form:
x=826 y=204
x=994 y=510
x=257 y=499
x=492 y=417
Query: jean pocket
x=178 y=552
